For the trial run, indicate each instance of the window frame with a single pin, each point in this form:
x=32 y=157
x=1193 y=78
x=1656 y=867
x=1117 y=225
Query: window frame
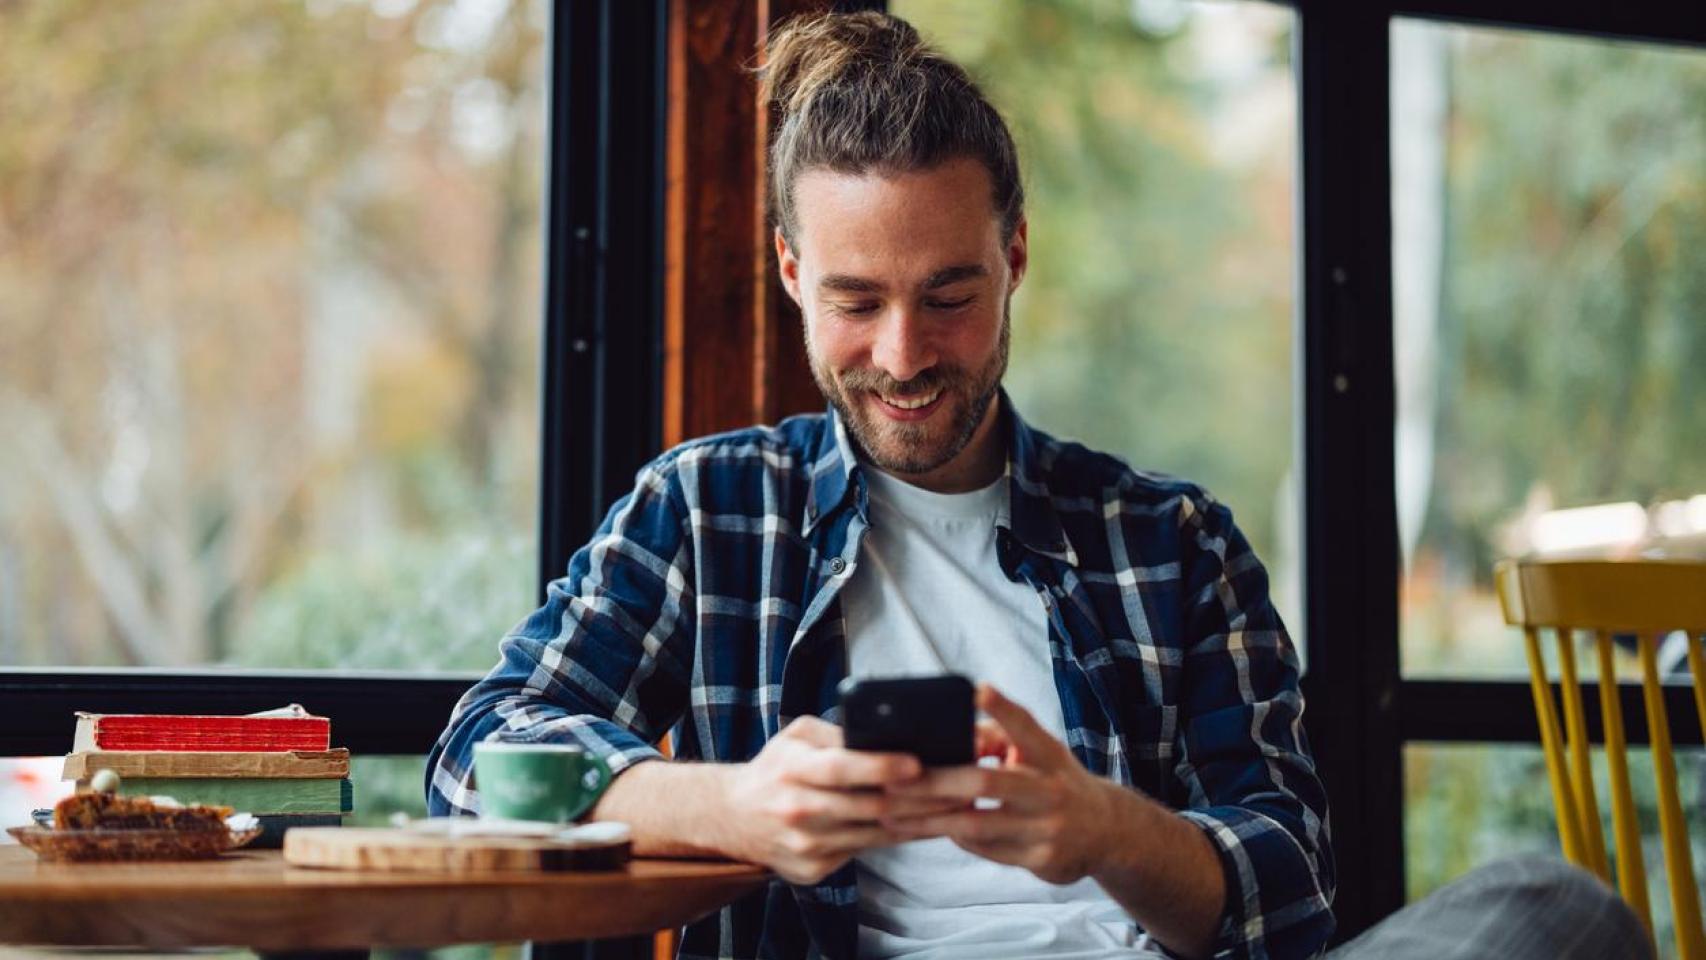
x=606 y=234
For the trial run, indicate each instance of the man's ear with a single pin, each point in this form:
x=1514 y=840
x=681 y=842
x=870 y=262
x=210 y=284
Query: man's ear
x=1018 y=256
x=788 y=266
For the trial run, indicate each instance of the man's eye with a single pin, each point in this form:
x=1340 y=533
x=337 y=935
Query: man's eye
x=855 y=309
x=950 y=304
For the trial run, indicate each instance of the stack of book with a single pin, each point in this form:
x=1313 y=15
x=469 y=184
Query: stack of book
x=278 y=765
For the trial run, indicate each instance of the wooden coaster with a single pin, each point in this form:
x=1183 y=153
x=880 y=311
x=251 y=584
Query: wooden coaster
x=357 y=848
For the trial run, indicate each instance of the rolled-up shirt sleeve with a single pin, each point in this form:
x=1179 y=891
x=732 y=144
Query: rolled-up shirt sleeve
x=1245 y=762
x=604 y=664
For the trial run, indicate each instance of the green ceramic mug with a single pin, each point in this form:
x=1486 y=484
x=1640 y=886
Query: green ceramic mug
x=549 y=782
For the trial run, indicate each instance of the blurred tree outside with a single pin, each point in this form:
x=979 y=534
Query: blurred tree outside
x=1569 y=334
x=1157 y=143
x=269 y=276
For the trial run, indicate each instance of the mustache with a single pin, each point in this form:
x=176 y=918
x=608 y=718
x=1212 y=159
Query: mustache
x=877 y=381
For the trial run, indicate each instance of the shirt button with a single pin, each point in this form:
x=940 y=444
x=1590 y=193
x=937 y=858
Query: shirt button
x=837 y=566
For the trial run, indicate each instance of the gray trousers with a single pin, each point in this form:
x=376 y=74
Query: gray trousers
x=1528 y=908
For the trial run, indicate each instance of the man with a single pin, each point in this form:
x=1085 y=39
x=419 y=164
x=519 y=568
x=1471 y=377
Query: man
x=1154 y=791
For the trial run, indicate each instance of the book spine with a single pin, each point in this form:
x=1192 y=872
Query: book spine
x=305 y=764
x=264 y=796
x=204 y=734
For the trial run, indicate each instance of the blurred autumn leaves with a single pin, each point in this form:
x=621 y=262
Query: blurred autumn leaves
x=269 y=287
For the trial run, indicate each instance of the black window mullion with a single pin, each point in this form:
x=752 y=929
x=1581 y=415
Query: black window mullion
x=1502 y=711
x=1350 y=516
x=568 y=450
x=1662 y=22
x=604 y=255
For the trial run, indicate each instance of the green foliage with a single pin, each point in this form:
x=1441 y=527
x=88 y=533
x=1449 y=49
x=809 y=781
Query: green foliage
x=266 y=314
x=1575 y=268
x=1155 y=320
x=1470 y=805
x=403 y=603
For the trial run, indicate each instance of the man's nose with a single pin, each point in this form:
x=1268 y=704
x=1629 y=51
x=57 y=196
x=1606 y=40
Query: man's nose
x=902 y=349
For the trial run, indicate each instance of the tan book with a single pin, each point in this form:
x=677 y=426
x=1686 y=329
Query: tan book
x=285 y=764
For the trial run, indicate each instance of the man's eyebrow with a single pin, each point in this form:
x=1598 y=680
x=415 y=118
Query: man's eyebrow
x=947 y=276
x=846 y=283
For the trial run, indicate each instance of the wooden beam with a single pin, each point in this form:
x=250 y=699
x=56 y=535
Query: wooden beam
x=711 y=219
x=734 y=349
x=784 y=382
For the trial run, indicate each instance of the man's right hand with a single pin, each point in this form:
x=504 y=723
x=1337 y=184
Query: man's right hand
x=802 y=807
x=806 y=804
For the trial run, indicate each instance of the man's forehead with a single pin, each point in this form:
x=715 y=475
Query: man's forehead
x=925 y=228
x=950 y=199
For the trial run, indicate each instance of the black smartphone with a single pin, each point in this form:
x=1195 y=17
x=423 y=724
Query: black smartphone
x=928 y=717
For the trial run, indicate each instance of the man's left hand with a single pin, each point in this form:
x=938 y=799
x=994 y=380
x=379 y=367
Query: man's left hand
x=1054 y=818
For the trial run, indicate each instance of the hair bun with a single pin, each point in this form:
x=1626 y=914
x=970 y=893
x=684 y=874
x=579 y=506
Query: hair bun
x=814 y=51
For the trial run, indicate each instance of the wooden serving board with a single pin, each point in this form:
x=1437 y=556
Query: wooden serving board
x=359 y=848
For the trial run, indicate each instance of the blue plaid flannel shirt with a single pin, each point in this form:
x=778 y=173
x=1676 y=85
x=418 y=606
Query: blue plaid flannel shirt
x=706 y=605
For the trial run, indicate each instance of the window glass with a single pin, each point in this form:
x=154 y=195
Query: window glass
x=1468 y=805
x=1549 y=257
x=1157 y=140
x=269 y=322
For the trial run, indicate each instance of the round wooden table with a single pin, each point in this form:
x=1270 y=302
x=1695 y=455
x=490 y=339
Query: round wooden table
x=252 y=899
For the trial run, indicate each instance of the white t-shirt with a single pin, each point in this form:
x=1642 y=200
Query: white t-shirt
x=928 y=596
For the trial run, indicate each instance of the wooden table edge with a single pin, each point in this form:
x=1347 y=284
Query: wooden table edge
x=313 y=909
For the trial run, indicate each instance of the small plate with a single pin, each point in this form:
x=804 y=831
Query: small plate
x=91 y=846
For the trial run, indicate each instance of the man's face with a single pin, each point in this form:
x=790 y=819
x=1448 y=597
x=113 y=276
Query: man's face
x=905 y=284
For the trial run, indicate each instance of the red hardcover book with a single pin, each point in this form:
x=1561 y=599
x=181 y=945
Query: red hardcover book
x=290 y=729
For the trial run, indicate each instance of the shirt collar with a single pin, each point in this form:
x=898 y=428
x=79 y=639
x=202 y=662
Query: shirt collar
x=1029 y=459
x=834 y=467
x=1031 y=515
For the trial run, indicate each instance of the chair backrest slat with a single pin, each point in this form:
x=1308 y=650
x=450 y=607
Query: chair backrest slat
x=1581 y=768
x=1551 y=741
x=1673 y=829
x=1631 y=868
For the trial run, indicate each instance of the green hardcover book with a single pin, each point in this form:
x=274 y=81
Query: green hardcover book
x=257 y=796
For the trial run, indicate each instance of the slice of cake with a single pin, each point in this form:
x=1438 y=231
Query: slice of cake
x=112 y=811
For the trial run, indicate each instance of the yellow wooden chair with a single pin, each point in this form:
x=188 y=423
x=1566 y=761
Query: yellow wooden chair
x=1648 y=599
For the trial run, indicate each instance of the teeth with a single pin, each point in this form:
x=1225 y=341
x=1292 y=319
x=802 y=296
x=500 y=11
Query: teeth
x=912 y=403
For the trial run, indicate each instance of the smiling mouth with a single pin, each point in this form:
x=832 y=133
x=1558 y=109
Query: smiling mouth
x=918 y=402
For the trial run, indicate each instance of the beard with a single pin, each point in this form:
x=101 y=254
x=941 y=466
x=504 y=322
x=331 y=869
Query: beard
x=915 y=448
